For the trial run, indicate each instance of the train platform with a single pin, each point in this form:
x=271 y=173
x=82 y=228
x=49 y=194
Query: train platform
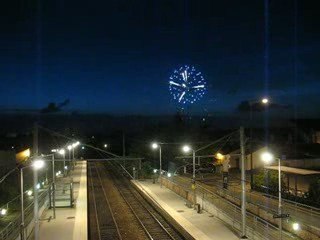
x=200 y=226
x=70 y=223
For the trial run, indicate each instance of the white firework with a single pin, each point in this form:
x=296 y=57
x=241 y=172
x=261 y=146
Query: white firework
x=187 y=85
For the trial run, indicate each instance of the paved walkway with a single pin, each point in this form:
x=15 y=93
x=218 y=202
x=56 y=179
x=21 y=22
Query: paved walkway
x=200 y=226
x=70 y=223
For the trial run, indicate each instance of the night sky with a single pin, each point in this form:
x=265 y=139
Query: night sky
x=116 y=56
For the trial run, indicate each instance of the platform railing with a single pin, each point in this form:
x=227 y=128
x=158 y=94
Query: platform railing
x=12 y=230
x=230 y=213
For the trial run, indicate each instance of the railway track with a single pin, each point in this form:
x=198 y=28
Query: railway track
x=102 y=222
x=154 y=225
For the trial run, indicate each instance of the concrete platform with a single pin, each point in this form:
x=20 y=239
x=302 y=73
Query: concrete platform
x=70 y=223
x=199 y=226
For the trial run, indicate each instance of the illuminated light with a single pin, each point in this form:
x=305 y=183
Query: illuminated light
x=38 y=164
x=3 y=212
x=69 y=147
x=66 y=167
x=62 y=151
x=42 y=183
x=267 y=157
x=105 y=145
x=29 y=193
x=54 y=150
x=74 y=145
x=155 y=170
x=219 y=156
x=186 y=149
x=169 y=174
x=82 y=148
x=154 y=145
x=38 y=186
x=23 y=155
x=296 y=226
x=57 y=174
x=265 y=100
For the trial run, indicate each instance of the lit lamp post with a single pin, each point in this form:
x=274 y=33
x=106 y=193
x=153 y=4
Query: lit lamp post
x=265 y=102
x=187 y=149
x=36 y=164
x=63 y=153
x=69 y=154
x=74 y=145
x=156 y=146
x=267 y=158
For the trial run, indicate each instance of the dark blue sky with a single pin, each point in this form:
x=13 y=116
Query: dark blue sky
x=116 y=56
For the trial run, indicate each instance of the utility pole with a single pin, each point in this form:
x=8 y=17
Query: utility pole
x=243 y=185
x=53 y=188
x=35 y=182
x=124 y=148
x=22 y=205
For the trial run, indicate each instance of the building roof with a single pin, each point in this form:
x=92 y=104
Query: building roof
x=296 y=171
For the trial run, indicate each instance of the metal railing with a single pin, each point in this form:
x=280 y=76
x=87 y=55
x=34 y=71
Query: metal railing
x=230 y=213
x=12 y=230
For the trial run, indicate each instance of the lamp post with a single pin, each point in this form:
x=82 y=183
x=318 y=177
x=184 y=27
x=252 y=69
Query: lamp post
x=37 y=164
x=268 y=158
x=63 y=153
x=69 y=154
x=263 y=101
x=188 y=149
x=155 y=146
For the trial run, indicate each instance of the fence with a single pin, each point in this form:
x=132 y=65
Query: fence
x=230 y=213
x=12 y=230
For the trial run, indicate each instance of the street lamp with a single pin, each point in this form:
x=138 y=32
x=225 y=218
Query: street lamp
x=264 y=101
x=268 y=157
x=188 y=149
x=36 y=165
x=69 y=154
x=63 y=153
x=156 y=146
x=105 y=145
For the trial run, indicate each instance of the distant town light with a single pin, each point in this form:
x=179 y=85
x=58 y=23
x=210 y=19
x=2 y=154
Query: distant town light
x=82 y=147
x=296 y=226
x=38 y=186
x=155 y=170
x=3 y=212
x=29 y=192
x=69 y=147
x=265 y=100
x=169 y=174
x=219 y=156
x=62 y=151
x=54 y=150
x=66 y=167
x=105 y=145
